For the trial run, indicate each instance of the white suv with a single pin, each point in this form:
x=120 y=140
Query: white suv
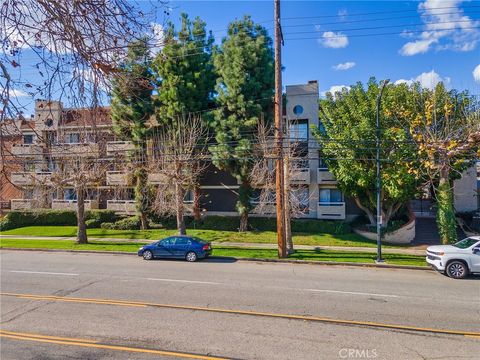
x=457 y=260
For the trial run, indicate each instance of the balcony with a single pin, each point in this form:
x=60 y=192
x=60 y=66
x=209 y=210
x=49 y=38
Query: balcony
x=156 y=178
x=121 y=147
x=31 y=178
x=75 y=150
x=72 y=204
x=122 y=206
x=325 y=177
x=26 y=150
x=331 y=210
x=21 y=204
x=300 y=176
x=119 y=178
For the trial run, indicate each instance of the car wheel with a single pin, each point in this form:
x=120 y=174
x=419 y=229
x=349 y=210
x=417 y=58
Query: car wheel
x=457 y=270
x=147 y=255
x=191 y=256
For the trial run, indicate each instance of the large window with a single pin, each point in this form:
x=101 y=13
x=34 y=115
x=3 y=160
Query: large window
x=73 y=138
x=28 y=139
x=331 y=197
x=70 y=194
x=299 y=130
x=301 y=194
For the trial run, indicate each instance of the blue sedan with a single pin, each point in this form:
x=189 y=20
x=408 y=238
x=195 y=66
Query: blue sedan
x=179 y=247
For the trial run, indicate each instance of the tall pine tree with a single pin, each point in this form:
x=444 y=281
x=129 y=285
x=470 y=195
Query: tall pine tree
x=186 y=85
x=131 y=108
x=245 y=85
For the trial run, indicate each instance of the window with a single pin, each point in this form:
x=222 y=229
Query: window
x=322 y=164
x=332 y=197
x=28 y=139
x=188 y=198
x=465 y=243
x=298 y=110
x=49 y=122
x=73 y=138
x=299 y=129
x=28 y=166
x=301 y=194
x=70 y=194
x=182 y=241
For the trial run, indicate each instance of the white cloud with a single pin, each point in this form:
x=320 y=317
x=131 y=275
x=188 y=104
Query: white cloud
x=335 y=89
x=443 y=29
x=427 y=80
x=333 y=40
x=344 y=66
x=17 y=93
x=476 y=73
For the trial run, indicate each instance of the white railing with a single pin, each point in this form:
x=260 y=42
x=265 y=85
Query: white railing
x=75 y=149
x=30 y=178
x=300 y=176
x=21 y=204
x=331 y=210
x=157 y=178
x=325 y=177
x=121 y=147
x=26 y=150
x=72 y=204
x=119 y=178
x=122 y=206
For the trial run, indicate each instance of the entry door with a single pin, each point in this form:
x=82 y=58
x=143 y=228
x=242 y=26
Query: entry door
x=163 y=248
x=181 y=246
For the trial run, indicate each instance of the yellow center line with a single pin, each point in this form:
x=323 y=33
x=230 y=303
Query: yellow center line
x=246 y=312
x=5 y=332
x=75 y=342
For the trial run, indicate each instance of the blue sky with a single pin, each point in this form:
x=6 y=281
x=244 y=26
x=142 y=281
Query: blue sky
x=335 y=42
x=381 y=56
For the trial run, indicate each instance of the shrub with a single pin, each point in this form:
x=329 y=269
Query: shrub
x=16 y=219
x=128 y=223
x=92 y=223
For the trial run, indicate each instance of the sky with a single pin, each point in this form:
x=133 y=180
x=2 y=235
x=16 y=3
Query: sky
x=339 y=43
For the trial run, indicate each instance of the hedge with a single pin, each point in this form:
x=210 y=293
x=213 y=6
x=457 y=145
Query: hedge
x=16 y=219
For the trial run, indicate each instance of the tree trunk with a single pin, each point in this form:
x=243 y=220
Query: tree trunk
x=180 y=195
x=196 y=203
x=367 y=211
x=243 y=204
x=446 y=223
x=287 y=211
x=141 y=197
x=81 y=226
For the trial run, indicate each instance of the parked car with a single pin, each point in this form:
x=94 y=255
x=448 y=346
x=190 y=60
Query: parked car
x=179 y=247
x=457 y=260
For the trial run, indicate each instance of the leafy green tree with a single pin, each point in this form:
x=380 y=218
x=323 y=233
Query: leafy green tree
x=348 y=145
x=445 y=126
x=131 y=108
x=245 y=68
x=186 y=85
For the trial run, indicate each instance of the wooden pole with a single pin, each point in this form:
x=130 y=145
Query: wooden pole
x=279 y=180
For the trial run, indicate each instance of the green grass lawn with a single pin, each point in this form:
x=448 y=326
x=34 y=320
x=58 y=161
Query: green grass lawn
x=311 y=255
x=209 y=235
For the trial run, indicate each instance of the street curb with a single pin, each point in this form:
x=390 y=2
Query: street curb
x=290 y=261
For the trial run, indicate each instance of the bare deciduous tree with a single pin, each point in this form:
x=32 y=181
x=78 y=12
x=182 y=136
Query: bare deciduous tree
x=179 y=160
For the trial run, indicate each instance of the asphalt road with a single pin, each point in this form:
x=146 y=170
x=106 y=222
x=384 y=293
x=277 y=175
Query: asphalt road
x=88 y=306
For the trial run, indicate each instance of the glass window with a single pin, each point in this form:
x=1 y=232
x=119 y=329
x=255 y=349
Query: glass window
x=28 y=139
x=28 y=166
x=70 y=194
x=167 y=241
x=181 y=241
x=302 y=195
x=322 y=164
x=73 y=138
x=329 y=196
x=298 y=110
x=299 y=129
x=465 y=243
x=188 y=198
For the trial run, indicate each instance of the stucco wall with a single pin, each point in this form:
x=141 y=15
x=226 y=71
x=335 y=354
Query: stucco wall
x=465 y=191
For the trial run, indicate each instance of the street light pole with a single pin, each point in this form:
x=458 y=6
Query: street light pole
x=379 y=179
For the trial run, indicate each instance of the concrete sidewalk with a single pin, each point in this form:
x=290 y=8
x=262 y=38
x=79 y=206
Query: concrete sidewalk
x=416 y=251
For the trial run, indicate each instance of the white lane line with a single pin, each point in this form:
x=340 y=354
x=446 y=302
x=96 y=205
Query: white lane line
x=42 y=273
x=185 y=281
x=353 y=293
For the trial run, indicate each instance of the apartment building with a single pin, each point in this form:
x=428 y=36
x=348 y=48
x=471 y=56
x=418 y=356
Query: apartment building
x=56 y=132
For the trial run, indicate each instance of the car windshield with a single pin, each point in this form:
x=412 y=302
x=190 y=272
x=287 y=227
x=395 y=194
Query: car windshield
x=465 y=243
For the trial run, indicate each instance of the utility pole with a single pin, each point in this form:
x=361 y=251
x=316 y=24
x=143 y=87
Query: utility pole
x=279 y=178
x=379 y=179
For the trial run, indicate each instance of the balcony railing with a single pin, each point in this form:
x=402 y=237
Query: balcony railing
x=156 y=178
x=120 y=147
x=331 y=210
x=72 y=204
x=119 y=178
x=122 y=206
x=21 y=204
x=26 y=150
x=31 y=178
x=75 y=150
x=300 y=176
x=325 y=177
